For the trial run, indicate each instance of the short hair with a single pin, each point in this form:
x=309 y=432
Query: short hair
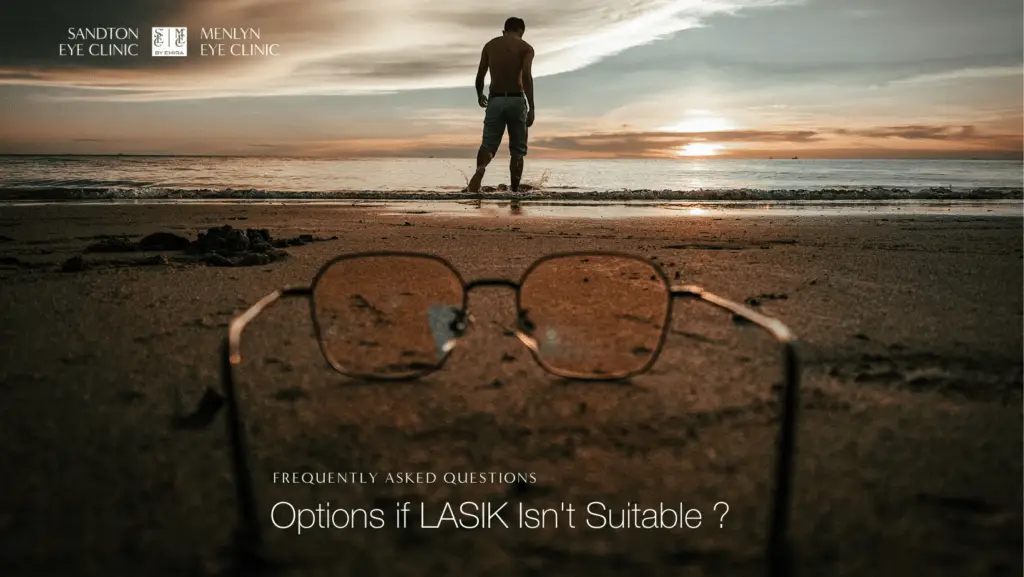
x=514 y=24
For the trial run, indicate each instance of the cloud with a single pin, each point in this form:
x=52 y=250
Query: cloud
x=945 y=142
x=913 y=132
x=966 y=134
x=951 y=139
x=17 y=75
x=882 y=153
x=925 y=142
x=350 y=46
x=628 y=144
x=979 y=73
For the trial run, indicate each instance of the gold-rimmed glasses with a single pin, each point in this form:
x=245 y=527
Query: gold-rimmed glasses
x=593 y=316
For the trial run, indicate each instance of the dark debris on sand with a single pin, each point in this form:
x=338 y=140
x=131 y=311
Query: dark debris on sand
x=501 y=188
x=219 y=246
x=227 y=246
x=74 y=264
x=13 y=262
x=758 y=300
x=79 y=263
x=113 y=244
x=164 y=241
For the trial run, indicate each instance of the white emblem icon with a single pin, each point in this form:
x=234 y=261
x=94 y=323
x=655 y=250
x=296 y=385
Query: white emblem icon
x=170 y=41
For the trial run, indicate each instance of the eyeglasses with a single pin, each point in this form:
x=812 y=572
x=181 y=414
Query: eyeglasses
x=602 y=316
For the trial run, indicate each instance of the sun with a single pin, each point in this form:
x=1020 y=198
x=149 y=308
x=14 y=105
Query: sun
x=701 y=124
x=699 y=149
x=701 y=121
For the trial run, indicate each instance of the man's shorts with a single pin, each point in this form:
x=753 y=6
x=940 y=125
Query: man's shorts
x=502 y=112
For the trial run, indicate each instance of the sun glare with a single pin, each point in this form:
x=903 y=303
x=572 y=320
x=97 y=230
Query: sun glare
x=701 y=121
x=702 y=124
x=699 y=149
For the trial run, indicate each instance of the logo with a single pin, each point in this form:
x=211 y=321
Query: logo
x=170 y=41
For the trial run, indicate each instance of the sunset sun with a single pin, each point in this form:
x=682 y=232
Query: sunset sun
x=699 y=149
x=701 y=121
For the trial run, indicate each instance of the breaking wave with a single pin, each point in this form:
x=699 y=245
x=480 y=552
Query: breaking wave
x=120 y=193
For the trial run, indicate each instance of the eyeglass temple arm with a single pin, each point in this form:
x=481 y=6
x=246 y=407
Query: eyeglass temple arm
x=249 y=539
x=778 y=546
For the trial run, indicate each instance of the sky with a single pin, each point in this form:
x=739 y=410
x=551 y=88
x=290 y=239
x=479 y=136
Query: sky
x=614 y=79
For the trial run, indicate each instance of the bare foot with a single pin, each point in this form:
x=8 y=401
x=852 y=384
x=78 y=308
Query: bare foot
x=474 y=183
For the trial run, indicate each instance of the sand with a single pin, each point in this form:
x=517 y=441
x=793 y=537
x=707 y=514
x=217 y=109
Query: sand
x=910 y=438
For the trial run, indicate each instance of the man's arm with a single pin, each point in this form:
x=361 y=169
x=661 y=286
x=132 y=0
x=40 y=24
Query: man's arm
x=481 y=72
x=528 y=77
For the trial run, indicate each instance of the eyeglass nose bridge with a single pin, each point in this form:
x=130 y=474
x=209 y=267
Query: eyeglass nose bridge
x=524 y=327
x=491 y=282
x=466 y=316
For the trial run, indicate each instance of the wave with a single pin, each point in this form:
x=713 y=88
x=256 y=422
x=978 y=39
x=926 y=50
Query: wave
x=71 y=193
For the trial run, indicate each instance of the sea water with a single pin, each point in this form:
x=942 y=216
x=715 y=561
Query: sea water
x=182 y=177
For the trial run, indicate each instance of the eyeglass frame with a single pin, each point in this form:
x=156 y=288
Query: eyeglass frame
x=249 y=536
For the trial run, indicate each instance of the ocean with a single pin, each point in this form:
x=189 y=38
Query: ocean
x=69 y=178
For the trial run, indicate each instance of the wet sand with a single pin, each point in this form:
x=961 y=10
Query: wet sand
x=909 y=446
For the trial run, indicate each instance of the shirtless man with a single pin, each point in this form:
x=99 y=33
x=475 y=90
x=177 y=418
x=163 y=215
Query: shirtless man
x=510 y=102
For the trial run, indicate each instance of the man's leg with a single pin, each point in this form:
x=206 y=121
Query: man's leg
x=517 y=136
x=483 y=158
x=515 y=171
x=494 y=129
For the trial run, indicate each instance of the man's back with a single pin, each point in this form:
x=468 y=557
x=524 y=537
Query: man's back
x=505 y=56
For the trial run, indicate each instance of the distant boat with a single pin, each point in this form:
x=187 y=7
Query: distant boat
x=795 y=158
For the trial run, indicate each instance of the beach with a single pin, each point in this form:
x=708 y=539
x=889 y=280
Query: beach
x=909 y=440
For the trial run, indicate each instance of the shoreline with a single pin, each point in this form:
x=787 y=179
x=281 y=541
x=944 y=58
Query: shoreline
x=600 y=209
x=573 y=194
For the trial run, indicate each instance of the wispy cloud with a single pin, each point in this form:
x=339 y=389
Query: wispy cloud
x=980 y=73
x=360 y=46
x=911 y=141
x=663 y=143
x=915 y=132
x=968 y=136
x=742 y=142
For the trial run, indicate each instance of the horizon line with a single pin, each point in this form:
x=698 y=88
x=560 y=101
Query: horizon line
x=1019 y=157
